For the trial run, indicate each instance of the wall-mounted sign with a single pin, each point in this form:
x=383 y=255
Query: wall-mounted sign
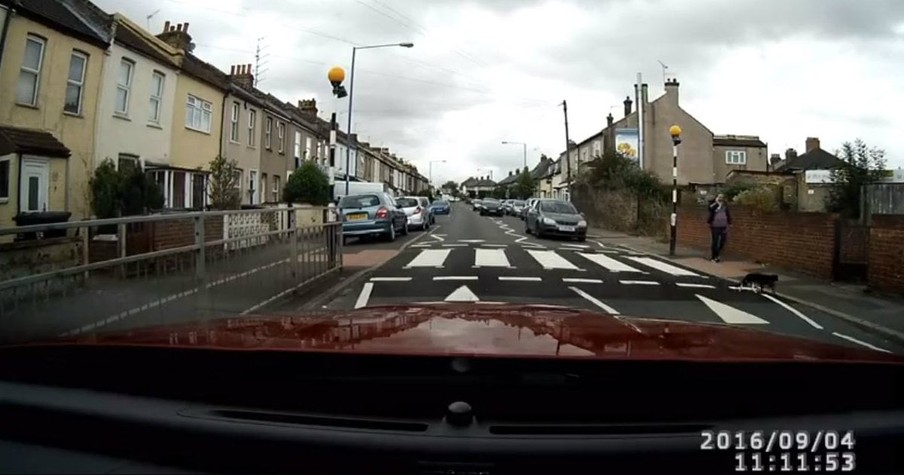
x=818 y=176
x=626 y=142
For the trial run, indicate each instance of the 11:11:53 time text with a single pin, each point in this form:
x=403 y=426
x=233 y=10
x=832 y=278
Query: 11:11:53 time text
x=795 y=462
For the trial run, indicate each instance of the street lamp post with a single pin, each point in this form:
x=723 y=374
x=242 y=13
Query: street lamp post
x=675 y=132
x=351 y=95
x=524 y=145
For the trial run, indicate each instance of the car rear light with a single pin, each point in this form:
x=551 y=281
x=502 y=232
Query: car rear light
x=418 y=210
x=382 y=213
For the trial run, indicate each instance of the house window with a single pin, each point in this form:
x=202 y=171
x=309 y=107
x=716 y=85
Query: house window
x=30 y=71
x=297 y=149
x=307 y=147
x=75 y=83
x=234 y=130
x=252 y=121
x=157 y=81
x=127 y=162
x=238 y=182
x=198 y=185
x=280 y=135
x=124 y=86
x=736 y=157
x=4 y=179
x=198 y=114
x=276 y=188
x=267 y=133
x=263 y=189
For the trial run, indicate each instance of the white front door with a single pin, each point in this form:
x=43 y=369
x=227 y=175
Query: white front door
x=35 y=184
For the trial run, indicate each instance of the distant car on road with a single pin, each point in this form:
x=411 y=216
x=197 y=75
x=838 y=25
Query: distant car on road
x=371 y=214
x=517 y=207
x=441 y=207
x=555 y=218
x=475 y=204
x=491 y=206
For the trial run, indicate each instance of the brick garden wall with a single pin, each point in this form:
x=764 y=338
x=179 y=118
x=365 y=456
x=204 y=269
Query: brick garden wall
x=803 y=242
x=173 y=233
x=886 y=253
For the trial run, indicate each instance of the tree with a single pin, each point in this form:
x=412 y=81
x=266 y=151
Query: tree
x=225 y=184
x=308 y=184
x=105 y=188
x=615 y=171
x=862 y=165
x=451 y=187
x=524 y=186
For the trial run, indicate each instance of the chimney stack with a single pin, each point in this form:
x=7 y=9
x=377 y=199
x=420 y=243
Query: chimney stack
x=241 y=75
x=628 y=102
x=671 y=90
x=176 y=36
x=644 y=96
x=812 y=144
x=308 y=107
x=790 y=153
x=609 y=120
x=774 y=158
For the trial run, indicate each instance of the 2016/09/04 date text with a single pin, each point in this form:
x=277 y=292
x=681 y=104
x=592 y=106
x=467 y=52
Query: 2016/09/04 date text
x=785 y=450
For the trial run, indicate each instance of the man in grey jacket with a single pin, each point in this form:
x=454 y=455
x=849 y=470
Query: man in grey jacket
x=719 y=220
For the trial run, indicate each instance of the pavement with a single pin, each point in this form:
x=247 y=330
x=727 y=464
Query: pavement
x=469 y=258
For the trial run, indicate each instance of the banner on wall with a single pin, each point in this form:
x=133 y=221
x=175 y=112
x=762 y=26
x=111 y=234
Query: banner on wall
x=627 y=142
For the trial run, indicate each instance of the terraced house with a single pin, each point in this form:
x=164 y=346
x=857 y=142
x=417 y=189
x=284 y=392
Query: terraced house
x=197 y=123
x=50 y=78
x=137 y=102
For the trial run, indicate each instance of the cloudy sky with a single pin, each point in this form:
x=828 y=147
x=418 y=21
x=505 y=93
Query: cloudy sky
x=482 y=72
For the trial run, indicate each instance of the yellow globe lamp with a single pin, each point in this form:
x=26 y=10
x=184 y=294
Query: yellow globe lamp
x=336 y=75
x=675 y=131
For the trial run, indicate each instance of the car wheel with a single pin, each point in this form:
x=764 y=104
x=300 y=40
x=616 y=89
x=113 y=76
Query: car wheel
x=392 y=235
x=425 y=226
x=405 y=227
x=526 y=227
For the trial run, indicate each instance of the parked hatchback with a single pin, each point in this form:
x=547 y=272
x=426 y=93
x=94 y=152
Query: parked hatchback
x=517 y=207
x=417 y=211
x=555 y=218
x=372 y=214
x=527 y=206
x=440 y=207
x=491 y=206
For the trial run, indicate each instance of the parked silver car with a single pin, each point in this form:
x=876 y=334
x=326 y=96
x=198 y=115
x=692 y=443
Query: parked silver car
x=555 y=218
x=418 y=211
x=372 y=214
x=527 y=206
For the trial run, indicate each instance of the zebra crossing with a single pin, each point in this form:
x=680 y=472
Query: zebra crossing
x=534 y=262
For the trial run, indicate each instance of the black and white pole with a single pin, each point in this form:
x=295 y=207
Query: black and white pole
x=332 y=170
x=675 y=132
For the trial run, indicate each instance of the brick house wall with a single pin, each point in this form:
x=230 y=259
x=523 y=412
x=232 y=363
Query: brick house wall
x=886 y=253
x=800 y=241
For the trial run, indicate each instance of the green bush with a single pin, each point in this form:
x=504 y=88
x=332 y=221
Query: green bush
x=732 y=190
x=225 y=181
x=124 y=192
x=307 y=184
x=762 y=198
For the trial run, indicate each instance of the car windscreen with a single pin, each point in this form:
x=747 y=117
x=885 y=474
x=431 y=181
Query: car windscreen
x=517 y=203
x=406 y=202
x=558 y=207
x=359 y=201
x=440 y=203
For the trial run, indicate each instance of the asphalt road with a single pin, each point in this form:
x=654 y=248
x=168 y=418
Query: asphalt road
x=471 y=258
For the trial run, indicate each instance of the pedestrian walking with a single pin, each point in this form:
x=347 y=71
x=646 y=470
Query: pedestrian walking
x=719 y=220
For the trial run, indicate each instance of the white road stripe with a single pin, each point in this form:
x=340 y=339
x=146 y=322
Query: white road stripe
x=462 y=294
x=390 y=279
x=455 y=277
x=638 y=282
x=471 y=240
x=364 y=296
x=662 y=266
x=430 y=258
x=495 y=245
x=455 y=245
x=594 y=300
x=521 y=279
x=794 y=311
x=490 y=258
x=729 y=314
x=861 y=343
x=576 y=280
x=438 y=237
x=551 y=260
x=608 y=263
x=695 y=286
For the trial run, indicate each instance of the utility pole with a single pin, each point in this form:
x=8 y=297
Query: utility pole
x=567 y=147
